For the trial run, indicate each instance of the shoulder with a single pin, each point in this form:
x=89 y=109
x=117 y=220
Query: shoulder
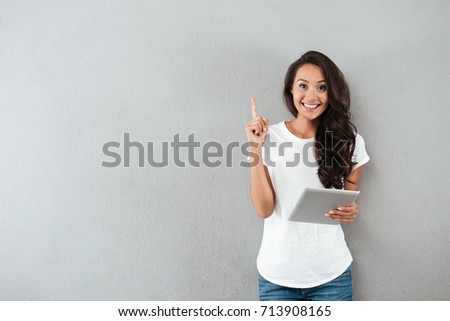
x=359 y=141
x=360 y=154
x=278 y=132
x=278 y=126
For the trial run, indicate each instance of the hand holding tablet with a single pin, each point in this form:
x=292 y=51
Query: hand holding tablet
x=313 y=203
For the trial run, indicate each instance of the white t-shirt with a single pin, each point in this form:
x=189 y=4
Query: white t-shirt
x=296 y=254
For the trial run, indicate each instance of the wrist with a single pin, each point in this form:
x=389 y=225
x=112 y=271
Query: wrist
x=254 y=149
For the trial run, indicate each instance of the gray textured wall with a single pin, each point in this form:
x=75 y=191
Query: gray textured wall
x=77 y=74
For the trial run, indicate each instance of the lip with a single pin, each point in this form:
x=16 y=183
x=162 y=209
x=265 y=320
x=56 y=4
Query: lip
x=310 y=106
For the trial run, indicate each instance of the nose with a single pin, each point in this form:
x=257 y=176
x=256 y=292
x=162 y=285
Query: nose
x=310 y=95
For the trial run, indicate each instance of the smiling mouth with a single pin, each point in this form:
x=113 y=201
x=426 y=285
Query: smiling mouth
x=310 y=106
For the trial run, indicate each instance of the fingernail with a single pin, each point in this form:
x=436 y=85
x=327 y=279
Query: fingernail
x=339 y=208
x=326 y=214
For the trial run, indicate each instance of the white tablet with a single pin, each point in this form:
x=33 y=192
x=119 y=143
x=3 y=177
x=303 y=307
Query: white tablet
x=313 y=203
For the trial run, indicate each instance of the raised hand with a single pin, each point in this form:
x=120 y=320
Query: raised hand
x=258 y=127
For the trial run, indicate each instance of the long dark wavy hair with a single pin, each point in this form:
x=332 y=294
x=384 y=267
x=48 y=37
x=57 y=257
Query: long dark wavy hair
x=336 y=134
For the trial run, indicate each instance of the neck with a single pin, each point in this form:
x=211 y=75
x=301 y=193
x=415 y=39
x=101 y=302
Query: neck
x=305 y=128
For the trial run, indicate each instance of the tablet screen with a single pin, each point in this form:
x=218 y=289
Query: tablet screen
x=313 y=203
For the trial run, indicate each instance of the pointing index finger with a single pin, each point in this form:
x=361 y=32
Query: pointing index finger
x=254 y=113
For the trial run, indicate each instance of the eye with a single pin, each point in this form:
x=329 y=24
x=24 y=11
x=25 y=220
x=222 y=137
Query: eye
x=322 y=88
x=302 y=86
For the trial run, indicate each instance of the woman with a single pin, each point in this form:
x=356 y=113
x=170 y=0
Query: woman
x=306 y=261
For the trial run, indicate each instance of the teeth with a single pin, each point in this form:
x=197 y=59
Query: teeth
x=310 y=106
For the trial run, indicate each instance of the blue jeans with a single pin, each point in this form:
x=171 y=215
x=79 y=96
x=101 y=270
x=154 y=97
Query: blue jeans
x=339 y=289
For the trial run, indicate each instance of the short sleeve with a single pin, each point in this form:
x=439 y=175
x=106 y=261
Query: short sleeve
x=360 y=155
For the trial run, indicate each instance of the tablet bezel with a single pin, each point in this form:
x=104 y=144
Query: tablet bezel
x=314 y=202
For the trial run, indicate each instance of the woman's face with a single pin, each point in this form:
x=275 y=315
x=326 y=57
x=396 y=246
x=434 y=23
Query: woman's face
x=309 y=92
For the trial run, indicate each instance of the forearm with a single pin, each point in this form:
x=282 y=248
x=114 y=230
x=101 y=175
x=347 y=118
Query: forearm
x=261 y=189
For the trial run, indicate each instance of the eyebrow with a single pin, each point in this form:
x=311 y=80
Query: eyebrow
x=308 y=81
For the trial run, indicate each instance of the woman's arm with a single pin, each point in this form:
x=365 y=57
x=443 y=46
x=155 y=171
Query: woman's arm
x=262 y=193
x=347 y=214
x=261 y=190
x=353 y=179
